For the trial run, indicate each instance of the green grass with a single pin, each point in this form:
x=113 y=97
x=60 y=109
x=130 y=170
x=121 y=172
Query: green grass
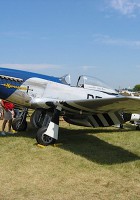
x=101 y=163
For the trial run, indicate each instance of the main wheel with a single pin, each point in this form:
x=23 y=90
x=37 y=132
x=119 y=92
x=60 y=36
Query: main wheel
x=37 y=118
x=137 y=128
x=19 y=125
x=44 y=139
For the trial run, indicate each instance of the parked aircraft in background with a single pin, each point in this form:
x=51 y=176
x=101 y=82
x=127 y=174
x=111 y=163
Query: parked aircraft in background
x=90 y=103
x=133 y=119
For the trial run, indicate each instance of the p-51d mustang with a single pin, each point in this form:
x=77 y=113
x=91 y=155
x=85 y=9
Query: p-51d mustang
x=90 y=103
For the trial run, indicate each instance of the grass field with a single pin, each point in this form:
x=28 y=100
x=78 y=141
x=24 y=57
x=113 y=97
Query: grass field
x=86 y=164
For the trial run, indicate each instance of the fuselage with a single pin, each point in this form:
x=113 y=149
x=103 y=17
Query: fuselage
x=33 y=90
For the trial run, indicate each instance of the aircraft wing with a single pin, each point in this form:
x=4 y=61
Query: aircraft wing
x=103 y=105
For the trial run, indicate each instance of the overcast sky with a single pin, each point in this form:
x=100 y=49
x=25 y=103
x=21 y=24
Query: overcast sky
x=100 y=38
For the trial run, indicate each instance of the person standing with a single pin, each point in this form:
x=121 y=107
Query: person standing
x=8 y=114
x=1 y=111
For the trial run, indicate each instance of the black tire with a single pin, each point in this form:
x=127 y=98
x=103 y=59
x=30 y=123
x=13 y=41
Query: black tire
x=37 y=118
x=137 y=128
x=19 y=125
x=121 y=126
x=43 y=138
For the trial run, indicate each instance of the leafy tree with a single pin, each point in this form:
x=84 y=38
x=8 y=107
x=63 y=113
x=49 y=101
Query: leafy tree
x=136 y=88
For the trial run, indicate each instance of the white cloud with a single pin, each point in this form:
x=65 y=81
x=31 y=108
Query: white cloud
x=31 y=67
x=105 y=39
x=125 y=7
x=87 y=67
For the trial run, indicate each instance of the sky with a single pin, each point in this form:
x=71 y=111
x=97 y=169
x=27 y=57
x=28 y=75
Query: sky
x=99 y=38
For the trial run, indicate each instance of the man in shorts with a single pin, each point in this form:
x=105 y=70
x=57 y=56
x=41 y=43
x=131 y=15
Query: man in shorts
x=8 y=114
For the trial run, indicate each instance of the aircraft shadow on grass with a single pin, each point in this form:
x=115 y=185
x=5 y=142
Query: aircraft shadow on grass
x=84 y=142
x=81 y=142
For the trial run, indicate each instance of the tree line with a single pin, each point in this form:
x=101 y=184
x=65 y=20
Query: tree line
x=136 y=88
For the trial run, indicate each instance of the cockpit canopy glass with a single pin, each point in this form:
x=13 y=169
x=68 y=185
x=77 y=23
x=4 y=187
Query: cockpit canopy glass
x=66 y=79
x=89 y=82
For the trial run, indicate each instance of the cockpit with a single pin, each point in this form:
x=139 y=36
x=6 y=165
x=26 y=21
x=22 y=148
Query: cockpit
x=90 y=83
x=93 y=83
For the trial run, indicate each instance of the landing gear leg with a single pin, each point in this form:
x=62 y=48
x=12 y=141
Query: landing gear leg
x=48 y=134
x=20 y=123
